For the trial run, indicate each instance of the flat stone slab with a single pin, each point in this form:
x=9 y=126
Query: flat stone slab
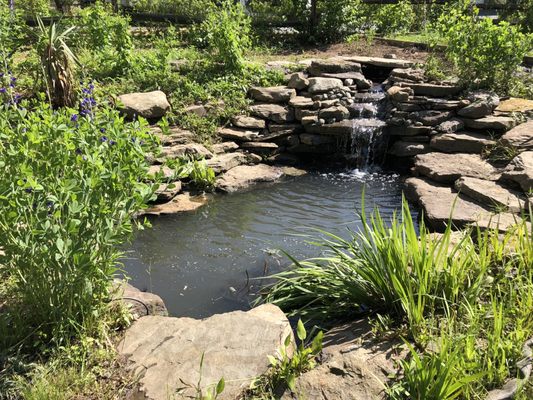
x=355 y=367
x=224 y=147
x=491 y=122
x=166 y=352
x=460 y=142
x=273 y=94
x=182 y=203
x=520 y=171
x=273 y=112
x=244 y=176
x=447 y=168
x=402 y=148
x=243 y=121
x=520 y=136
x=165 y=172
x=430 y=89
x=167 y=191
x=321 y=85
x=239 y=135
x=148 y=105
x=301 y=102
x=223 y=162
x=439 y=203
x=174 y=136
x=381 y=62
x=515 y=105
x=333 y=65
x=491 y=194
x=195 y=150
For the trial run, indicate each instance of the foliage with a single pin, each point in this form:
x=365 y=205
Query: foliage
x=11 y=35
x=33 y=7
x=71 y=186
x=209 y=393
x=192 y=10
x=485 y=54
x=227 y=32
x=291 y=362
x=392 y=19
x=57 y=63
x=459 y=297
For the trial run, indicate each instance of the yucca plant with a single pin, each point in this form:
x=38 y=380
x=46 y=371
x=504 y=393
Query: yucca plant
x=57 y=63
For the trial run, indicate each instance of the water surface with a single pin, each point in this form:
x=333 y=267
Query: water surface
x=204 y=263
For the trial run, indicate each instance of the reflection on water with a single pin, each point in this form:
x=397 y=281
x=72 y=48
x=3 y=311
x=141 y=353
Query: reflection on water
x=200 y=264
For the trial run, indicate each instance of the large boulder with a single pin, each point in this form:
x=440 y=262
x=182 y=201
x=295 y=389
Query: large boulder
x=321 y=85
x=461 y=142
x=447 y=168
x=165 y=353
x=275 y=94
x=149 y=105
x=354 y=367
x=244 y=176
x=480 y=107
x=520 y=136
x=520 y=171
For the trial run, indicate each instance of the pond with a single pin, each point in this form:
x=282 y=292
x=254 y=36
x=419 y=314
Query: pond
x=205 y=263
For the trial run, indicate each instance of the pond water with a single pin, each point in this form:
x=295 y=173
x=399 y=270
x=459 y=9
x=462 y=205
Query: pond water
x=205 y=263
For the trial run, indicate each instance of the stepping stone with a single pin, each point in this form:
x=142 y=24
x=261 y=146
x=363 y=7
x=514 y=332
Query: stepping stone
x=223 y=162
x=322 y=85
x=195 y=150
x=402 y=148
x=242 y=177
x=332 y=65
x=273 y=112
x=429 y=89
x=381 y=62
x=439 y=202
x=490 y=194
x=242 y=121
x=520 y=136
x=492 y=122
x=520 y=171
x=167 y=191
x=514 y=104
x=165 y=353
x=461 y=142
x=274 y=94
x=147 y=105
x=239 y=135
x=224 y=147
x=447 y=168
x=180 y=204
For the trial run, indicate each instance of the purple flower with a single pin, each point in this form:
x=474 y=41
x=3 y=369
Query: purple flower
x=74 y=117
x=102 y=130
x=112 y=142
x=3 y=90
x=78 y=151
x=103 y=139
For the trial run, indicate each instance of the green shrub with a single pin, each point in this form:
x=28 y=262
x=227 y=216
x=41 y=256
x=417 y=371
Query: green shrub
x=484 y=54
x=70 y=187
x=33 y=7
x=227 y=32
x=394 y=19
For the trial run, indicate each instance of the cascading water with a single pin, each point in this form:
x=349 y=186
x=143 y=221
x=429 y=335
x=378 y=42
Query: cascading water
x=368 y=136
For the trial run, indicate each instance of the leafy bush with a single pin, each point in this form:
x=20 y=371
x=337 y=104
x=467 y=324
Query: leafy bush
x=194 y=10
x=33 y=7
x=485 y=54
x=227 y=32
x=393 y=19
x=70 y=187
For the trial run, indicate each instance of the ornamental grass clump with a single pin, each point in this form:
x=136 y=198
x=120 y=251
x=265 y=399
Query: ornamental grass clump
x=69 y=189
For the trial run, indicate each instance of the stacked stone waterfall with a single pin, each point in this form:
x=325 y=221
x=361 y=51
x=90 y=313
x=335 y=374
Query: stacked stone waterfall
x=329 y=109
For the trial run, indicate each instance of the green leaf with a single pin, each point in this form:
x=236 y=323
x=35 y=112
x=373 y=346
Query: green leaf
x=220 y=386
x=300 y=330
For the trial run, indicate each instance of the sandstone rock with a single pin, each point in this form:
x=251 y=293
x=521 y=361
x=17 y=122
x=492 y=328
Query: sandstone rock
x=338 y=113
x=461 y=142
x=197 y=109
x=223 y=162
x=239 y=135
x=443 y=104
x=300 y=113
x=260 y=147
x=431 y=117
x=520 y=170
x=450 y=126
x=402 y=148
x=273 y=112
x=368 y=97
x=520 y=136
x=502 y=222
x=174 y=136
x=479 y=108
x=381 y=62
x=363 y=110
x=149 y=105
x=356 y=77
x=443 y=167
x=313 y=119
x=515 y=105
x=166 y=352
x=195 y=150
x=242 y=121
x=165 y=172
x=344 y=127
x=244 y=176
x=139 y=303
x=439 y=203
x=429 y=89
x=332 y=65
x=275 y=94
x=497 y=123
x=354 y=367
x=167 y=191
x=321 y=85
x=179 y=204
x=298 y=81
x=407 y=75
x=224 y=147
x=274 y=128
x=301 y=102
x=490 y=194
x=315 y=140
x=398 y=94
